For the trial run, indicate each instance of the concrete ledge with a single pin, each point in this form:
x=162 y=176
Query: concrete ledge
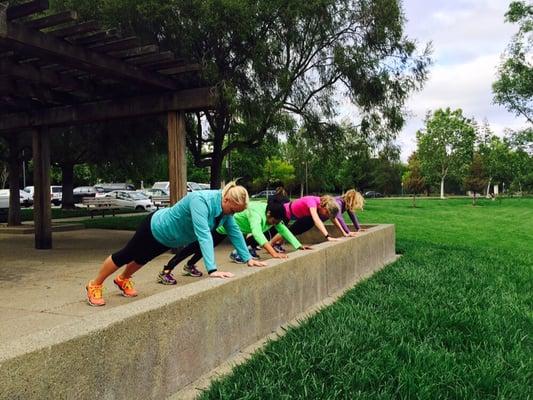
x=26 y=229
x=150 y=348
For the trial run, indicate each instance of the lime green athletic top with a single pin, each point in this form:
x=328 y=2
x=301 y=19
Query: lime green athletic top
x=253 y=220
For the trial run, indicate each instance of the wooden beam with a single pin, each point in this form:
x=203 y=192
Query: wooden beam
x=52 y=20
x=100 y=37
x=120 y=44
x=46 y=46
x=42 y=208
x=13 y=218
x=137 y=51
x=177 y=159
x=77 y=29
x=185 y=100
x=25 y=9
x=150 y=58
x=180 y=69
x=47 y=78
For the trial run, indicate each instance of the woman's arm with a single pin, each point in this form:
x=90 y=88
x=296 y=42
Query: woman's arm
x=319 y=224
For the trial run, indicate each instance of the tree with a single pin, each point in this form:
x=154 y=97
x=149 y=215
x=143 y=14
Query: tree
x=496 y=158
x=412 y=179
x=269 y=58
x=476 y=179
x=277 y=170
x=445 y=145
x=386 y=170
x=514 y=87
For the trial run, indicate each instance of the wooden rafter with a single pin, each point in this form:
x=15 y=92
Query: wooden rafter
x=185 y=100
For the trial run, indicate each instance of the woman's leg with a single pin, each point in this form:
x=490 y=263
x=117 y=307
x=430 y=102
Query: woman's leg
x=217 y=239
x=301 y=225
x=191 y=248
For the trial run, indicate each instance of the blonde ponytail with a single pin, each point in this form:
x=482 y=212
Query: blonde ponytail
x=238 y=194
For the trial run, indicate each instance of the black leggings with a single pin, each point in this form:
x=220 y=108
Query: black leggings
x=141 y=248
x=192 y=249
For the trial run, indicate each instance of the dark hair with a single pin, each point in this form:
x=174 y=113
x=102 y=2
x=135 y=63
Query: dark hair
x=276 y=208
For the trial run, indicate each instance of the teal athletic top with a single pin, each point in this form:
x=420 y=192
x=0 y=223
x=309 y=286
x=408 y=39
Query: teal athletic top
x=253 y=220
x=192 y=219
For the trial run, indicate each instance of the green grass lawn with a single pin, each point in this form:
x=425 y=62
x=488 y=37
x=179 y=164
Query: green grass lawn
x=451 y=319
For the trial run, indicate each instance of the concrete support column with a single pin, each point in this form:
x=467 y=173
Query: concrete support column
x=42 y=208
x=177 y=161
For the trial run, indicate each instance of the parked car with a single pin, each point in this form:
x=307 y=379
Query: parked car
x=165 y=185
x=25 y=199
x=372 y=193
x=264 y=193
x=29 y=190
x=131 y=199
x=83 y=191
x=103 y=188
x=57 y=194
x=205 y=186
x=154 y=192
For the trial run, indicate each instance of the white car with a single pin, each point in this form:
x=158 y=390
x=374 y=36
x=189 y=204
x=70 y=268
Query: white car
x=57 y=194
x=131 y=199
x=25 y=198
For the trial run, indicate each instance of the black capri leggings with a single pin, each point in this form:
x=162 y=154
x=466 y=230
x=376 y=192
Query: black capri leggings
x=192 y=249
x=141 y=248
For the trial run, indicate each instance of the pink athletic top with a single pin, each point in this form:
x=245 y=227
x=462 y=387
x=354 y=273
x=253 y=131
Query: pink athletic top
x=300 y=208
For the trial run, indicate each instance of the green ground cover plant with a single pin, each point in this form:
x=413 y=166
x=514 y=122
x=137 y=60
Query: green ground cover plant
x=451 y=319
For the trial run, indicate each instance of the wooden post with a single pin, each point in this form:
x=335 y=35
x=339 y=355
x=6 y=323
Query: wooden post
x=177 y=161
x=13 y=218
x=42 y=209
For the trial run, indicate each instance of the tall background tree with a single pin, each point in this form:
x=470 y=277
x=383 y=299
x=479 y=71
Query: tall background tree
x=514 y=87
x=270 y=58
x=476 y=178
x=445 y=145
x=412 y=179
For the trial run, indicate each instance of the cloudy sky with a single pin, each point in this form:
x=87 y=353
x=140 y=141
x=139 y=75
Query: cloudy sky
x=468 y=39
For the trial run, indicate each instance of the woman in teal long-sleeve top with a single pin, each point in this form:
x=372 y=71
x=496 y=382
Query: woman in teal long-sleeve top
x=191 y=219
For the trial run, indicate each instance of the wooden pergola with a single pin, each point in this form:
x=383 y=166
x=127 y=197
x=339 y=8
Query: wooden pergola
x=58 y=71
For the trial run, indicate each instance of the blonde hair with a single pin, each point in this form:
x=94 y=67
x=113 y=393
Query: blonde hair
x=238 y=194
x=329 y=204
x=353 y=200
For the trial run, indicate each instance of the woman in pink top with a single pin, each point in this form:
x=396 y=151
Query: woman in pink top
x=307 y=212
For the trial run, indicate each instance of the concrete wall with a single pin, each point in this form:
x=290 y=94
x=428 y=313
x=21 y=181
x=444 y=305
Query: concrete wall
x=152 y=347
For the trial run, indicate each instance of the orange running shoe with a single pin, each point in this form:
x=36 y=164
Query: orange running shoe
x=126 y=285
x=94 y=294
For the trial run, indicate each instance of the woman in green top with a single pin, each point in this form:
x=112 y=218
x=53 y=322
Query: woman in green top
x=255 y=220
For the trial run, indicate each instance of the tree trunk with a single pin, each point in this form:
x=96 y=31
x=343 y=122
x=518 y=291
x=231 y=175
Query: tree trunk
x=302 y=189
x=67 y=196
x=13 y=218
x=414 y=200
x=442 y=188
x=488 y=188
x=474 y=199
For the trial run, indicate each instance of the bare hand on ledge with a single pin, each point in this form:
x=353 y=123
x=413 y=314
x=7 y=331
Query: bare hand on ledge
x=221 y=274
x=305 y=247
x=255 y=263
x=280 y=255
x=332 y=239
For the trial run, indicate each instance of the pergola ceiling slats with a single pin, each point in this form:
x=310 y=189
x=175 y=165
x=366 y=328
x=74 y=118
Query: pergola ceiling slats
x=23 y=10
x=72 y=62
x=58 y=71
x=52 y=20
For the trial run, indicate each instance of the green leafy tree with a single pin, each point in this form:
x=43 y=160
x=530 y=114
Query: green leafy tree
x=445 y=145
x=277 y=170
x=268 y=58
x=496 y=155
x=412 y=179
x=476 y=178
x=514 y=87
